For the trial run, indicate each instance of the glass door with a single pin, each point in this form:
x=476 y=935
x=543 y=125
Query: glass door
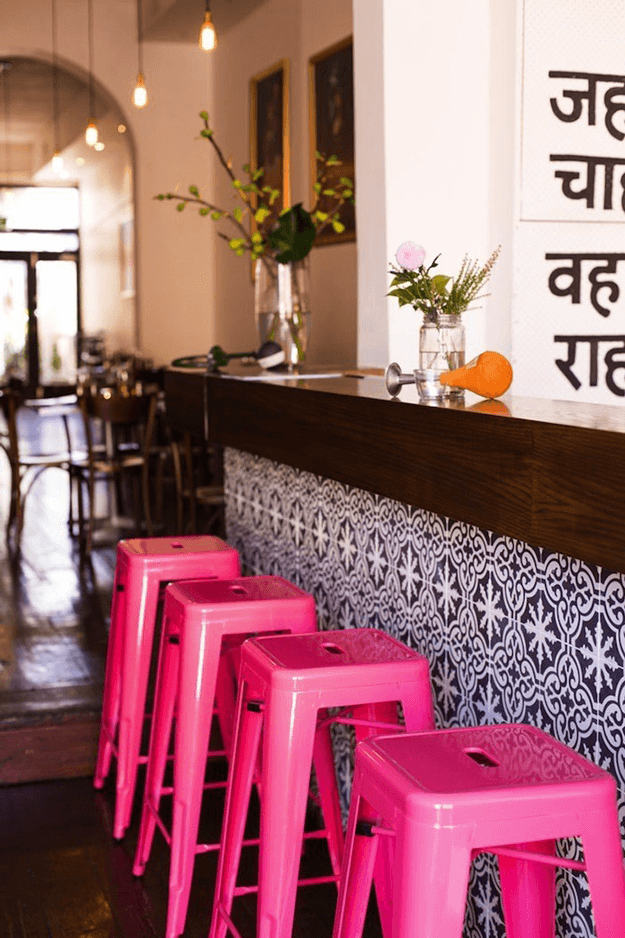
x=39 y=318
x=57 y=319
x=14 y=319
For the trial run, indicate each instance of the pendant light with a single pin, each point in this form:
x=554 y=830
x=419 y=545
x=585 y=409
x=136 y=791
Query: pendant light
x=57 y=159
x=208 y=34
x=91 y=133
x=140 y=94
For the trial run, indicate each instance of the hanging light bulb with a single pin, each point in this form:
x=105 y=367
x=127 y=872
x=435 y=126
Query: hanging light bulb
x=57 y=160
x=91 y=134
x=208 y=34
x=140 y=94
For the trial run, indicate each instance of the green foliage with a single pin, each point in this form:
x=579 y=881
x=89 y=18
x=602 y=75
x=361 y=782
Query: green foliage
x=286 y=237
x=294 y=236
x=438 y=294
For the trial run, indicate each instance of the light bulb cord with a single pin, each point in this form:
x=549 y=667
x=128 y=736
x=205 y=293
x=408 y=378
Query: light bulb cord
x=90 y=40
x=139 y=37
x=55 y=81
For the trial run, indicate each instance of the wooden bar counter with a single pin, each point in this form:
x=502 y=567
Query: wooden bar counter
x=551 y=473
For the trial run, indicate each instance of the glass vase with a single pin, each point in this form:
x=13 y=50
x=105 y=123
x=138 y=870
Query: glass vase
x=441 y=348
x=282 y=306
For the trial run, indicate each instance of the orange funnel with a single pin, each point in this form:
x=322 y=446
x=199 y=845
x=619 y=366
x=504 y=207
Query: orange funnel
x=490 y=375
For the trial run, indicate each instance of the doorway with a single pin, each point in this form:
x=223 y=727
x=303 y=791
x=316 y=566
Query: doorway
x=39 y=294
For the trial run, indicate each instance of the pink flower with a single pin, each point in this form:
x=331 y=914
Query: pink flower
x=410 y=255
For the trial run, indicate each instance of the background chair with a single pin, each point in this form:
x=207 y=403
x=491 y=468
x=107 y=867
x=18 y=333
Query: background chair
x=118 y=431
x=23 y=450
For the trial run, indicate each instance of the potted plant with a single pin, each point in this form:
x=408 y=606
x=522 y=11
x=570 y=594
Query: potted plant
x=278 y=242
x=442 y=300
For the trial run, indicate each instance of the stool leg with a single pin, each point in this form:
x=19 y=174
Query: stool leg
x=431 y=878
x=242 y=766
x=325 y=771
x=160 y=734
x=603 y=853
x=289 y=732
x=141 y=602
x=225 y=698
x=112 y=686
x=528 y=892
x=383 y=874
x=196 y=695
x=357 y=870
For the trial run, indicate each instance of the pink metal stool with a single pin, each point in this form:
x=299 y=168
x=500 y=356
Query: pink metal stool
x=199 y=618
x=143 y=566
x=284 y=683
x=441 y=798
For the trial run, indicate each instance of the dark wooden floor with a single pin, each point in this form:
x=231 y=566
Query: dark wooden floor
x=61 y=873
x=63 y=876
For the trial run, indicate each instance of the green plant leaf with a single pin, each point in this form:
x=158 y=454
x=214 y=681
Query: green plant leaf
x=236 y=183
x=329 y=192
x=206 y=132
x=180 y=206
x=321 y=216
x=193 y=190
x=258 y=174
x=261 y=214
x=257 y=237
x=204 y=115
x=338 y=226
x=294 y=235
x=204 y=211
x=344 y=181
x=238 y=213
x=317 y=187
x=439 y=284
x=333 y=161
x=348 y=193
x=216 y=215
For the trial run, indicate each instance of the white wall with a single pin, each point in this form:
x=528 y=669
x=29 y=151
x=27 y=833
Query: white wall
x=434 y=158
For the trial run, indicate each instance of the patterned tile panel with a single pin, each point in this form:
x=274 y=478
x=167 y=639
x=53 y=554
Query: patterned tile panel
x=512 y=632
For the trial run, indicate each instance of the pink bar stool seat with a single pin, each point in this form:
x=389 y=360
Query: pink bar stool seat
x=286 y=685
x=143 y=565
x=199 y=619
x=443 y=797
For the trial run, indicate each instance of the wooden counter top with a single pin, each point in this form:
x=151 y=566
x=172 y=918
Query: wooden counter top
x=548 y=472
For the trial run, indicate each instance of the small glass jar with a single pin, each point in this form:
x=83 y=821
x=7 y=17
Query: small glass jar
x=441 y=348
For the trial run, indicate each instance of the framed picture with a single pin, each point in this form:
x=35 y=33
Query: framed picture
x=270 y=130
x=331 y=125
x=127 y=258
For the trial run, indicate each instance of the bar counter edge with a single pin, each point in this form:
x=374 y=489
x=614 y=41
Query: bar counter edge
x=548 y=473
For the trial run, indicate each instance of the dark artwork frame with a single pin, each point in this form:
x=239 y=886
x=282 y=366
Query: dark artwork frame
x=270 y=129
x=331 y=124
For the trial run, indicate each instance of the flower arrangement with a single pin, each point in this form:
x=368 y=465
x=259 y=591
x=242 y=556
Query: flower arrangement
x=254 y=223
x=436 y=294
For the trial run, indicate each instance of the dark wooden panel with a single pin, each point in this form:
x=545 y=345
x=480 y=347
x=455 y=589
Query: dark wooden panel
x=550 y=473
x=184 y=401
x=65 y=749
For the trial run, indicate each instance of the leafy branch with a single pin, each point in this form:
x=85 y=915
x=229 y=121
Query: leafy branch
x=288 y=237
